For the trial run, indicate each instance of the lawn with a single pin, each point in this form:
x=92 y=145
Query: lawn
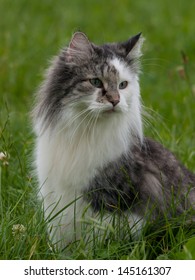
x=31 y=32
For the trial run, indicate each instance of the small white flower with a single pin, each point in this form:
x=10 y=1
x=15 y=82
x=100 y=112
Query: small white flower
x=4 y=158
x=18 y=231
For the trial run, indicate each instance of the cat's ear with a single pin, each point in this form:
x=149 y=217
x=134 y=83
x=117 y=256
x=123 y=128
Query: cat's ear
x=80 y=48
x=133 y=46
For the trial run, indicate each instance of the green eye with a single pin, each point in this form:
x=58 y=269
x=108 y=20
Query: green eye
x=96 y=83
x=123 y=85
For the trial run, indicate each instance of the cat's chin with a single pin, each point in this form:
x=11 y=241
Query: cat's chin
x=112 y=110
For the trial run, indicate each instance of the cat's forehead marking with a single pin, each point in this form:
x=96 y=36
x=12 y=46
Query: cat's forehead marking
x=110 y=73
x=122 y=70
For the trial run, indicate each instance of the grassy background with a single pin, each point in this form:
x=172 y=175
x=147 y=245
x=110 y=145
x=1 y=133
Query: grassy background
x=33 y=31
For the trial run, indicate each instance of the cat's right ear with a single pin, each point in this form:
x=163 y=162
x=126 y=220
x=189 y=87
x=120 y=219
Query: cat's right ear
x=133 y=46
x=80 y=48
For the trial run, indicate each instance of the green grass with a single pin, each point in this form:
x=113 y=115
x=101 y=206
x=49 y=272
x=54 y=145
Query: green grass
x=30 y=33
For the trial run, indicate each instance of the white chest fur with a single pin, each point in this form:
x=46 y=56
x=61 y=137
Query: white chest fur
x=65 y=165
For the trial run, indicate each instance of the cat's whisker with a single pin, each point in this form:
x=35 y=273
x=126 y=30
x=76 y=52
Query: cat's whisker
x=152 y=128
x=153 y=116
x=74 y=119
x=78 y=126
x=155 y=59
x=93 y=118
x=154 y=62
x=90 y=122
x=86 y=128
x=149 y=112
x=148 y=120
x=94 y=122
x=71 y=121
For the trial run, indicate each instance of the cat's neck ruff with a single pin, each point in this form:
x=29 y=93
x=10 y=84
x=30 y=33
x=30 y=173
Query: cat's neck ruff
x=76 y=153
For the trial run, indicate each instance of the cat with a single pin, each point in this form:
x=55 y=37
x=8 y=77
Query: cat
x=91 y=155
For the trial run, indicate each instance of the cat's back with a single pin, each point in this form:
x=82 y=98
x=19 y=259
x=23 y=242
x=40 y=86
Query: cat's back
x=154 y=154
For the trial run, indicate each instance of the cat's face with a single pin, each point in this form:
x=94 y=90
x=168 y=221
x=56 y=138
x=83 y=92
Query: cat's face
x=105 y=88
x=86 y=80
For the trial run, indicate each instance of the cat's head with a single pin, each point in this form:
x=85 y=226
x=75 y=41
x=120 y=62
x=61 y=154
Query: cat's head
x=87 y=81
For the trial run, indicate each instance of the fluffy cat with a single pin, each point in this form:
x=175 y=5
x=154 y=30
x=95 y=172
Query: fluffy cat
x=91 y=155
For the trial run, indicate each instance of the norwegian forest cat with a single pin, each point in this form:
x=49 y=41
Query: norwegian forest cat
x=92 y=159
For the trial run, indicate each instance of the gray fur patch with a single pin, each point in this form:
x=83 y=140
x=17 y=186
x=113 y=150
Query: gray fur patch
x=148 y=178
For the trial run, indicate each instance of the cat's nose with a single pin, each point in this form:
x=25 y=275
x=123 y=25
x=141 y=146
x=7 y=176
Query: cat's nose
x=114 y=99
x=114 y=102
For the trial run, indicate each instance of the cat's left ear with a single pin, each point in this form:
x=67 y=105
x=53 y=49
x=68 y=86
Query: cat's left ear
x=80 y=48
x=133 y=46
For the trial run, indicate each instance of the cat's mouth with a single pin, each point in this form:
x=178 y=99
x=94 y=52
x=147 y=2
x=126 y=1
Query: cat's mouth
x=112 y=110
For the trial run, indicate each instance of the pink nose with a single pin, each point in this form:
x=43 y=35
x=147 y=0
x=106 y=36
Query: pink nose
x=114 y=102
x=113 y=98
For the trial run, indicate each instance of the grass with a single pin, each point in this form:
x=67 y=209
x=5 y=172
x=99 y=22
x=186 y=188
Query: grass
x=30 y=33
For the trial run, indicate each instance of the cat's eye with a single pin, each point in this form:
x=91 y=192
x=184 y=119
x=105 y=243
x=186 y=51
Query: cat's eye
x=123 y=85
x=96 y=83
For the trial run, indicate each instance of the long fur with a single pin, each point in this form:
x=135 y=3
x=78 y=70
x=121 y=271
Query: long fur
x=83 y=140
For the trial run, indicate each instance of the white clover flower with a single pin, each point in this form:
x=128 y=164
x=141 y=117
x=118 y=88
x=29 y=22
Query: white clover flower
x=4 y=158
x=18 y=231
